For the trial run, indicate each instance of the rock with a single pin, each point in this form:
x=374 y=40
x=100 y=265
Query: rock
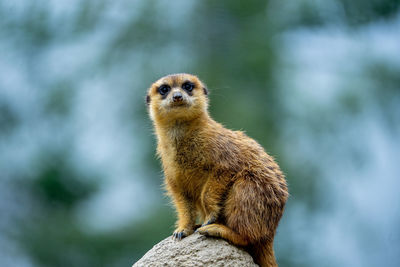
x=195 y=250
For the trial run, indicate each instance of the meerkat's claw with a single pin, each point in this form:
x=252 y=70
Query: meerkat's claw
x=178 y=235
x=211 y=220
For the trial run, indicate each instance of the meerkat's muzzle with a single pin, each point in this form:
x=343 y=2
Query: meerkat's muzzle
x=177 y=97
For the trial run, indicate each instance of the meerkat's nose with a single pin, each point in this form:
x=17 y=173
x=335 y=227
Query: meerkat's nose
x=177 y=96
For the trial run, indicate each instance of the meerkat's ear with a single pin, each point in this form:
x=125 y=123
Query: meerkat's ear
x=148 y=99
x=205 y=90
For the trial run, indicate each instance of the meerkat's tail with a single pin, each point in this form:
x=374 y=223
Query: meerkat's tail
x=263 y=254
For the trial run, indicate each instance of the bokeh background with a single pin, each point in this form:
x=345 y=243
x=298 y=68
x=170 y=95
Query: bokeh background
x=316 y=82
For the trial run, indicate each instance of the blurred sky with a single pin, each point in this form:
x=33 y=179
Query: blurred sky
x=315 y=82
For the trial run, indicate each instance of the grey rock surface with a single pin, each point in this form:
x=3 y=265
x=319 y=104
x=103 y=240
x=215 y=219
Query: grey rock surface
x=195 y=250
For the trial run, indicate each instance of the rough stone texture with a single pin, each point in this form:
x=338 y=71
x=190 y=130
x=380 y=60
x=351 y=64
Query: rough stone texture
x=195 y=250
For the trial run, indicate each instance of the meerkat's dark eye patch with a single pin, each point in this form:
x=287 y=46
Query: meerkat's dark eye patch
x=164 y=89
x=188 y=86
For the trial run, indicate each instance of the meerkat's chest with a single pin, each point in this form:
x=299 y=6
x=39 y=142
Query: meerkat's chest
x=182 y=166
x=187 y=151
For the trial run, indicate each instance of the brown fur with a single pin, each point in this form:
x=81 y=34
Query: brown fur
x=222 y=177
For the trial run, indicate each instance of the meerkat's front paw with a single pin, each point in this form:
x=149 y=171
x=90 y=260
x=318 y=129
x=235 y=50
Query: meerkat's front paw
x=181 y=233
x=209 y=220
x=213 y=230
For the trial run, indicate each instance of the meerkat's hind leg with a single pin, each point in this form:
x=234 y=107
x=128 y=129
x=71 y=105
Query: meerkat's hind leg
x=224 y=232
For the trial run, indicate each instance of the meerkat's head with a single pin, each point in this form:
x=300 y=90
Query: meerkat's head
x=177 y=97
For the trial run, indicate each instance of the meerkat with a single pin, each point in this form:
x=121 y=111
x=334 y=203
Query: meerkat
x=221 y=177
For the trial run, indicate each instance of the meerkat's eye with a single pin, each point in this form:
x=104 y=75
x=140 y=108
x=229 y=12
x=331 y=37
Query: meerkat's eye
x=164 y=89
x=188 y=86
